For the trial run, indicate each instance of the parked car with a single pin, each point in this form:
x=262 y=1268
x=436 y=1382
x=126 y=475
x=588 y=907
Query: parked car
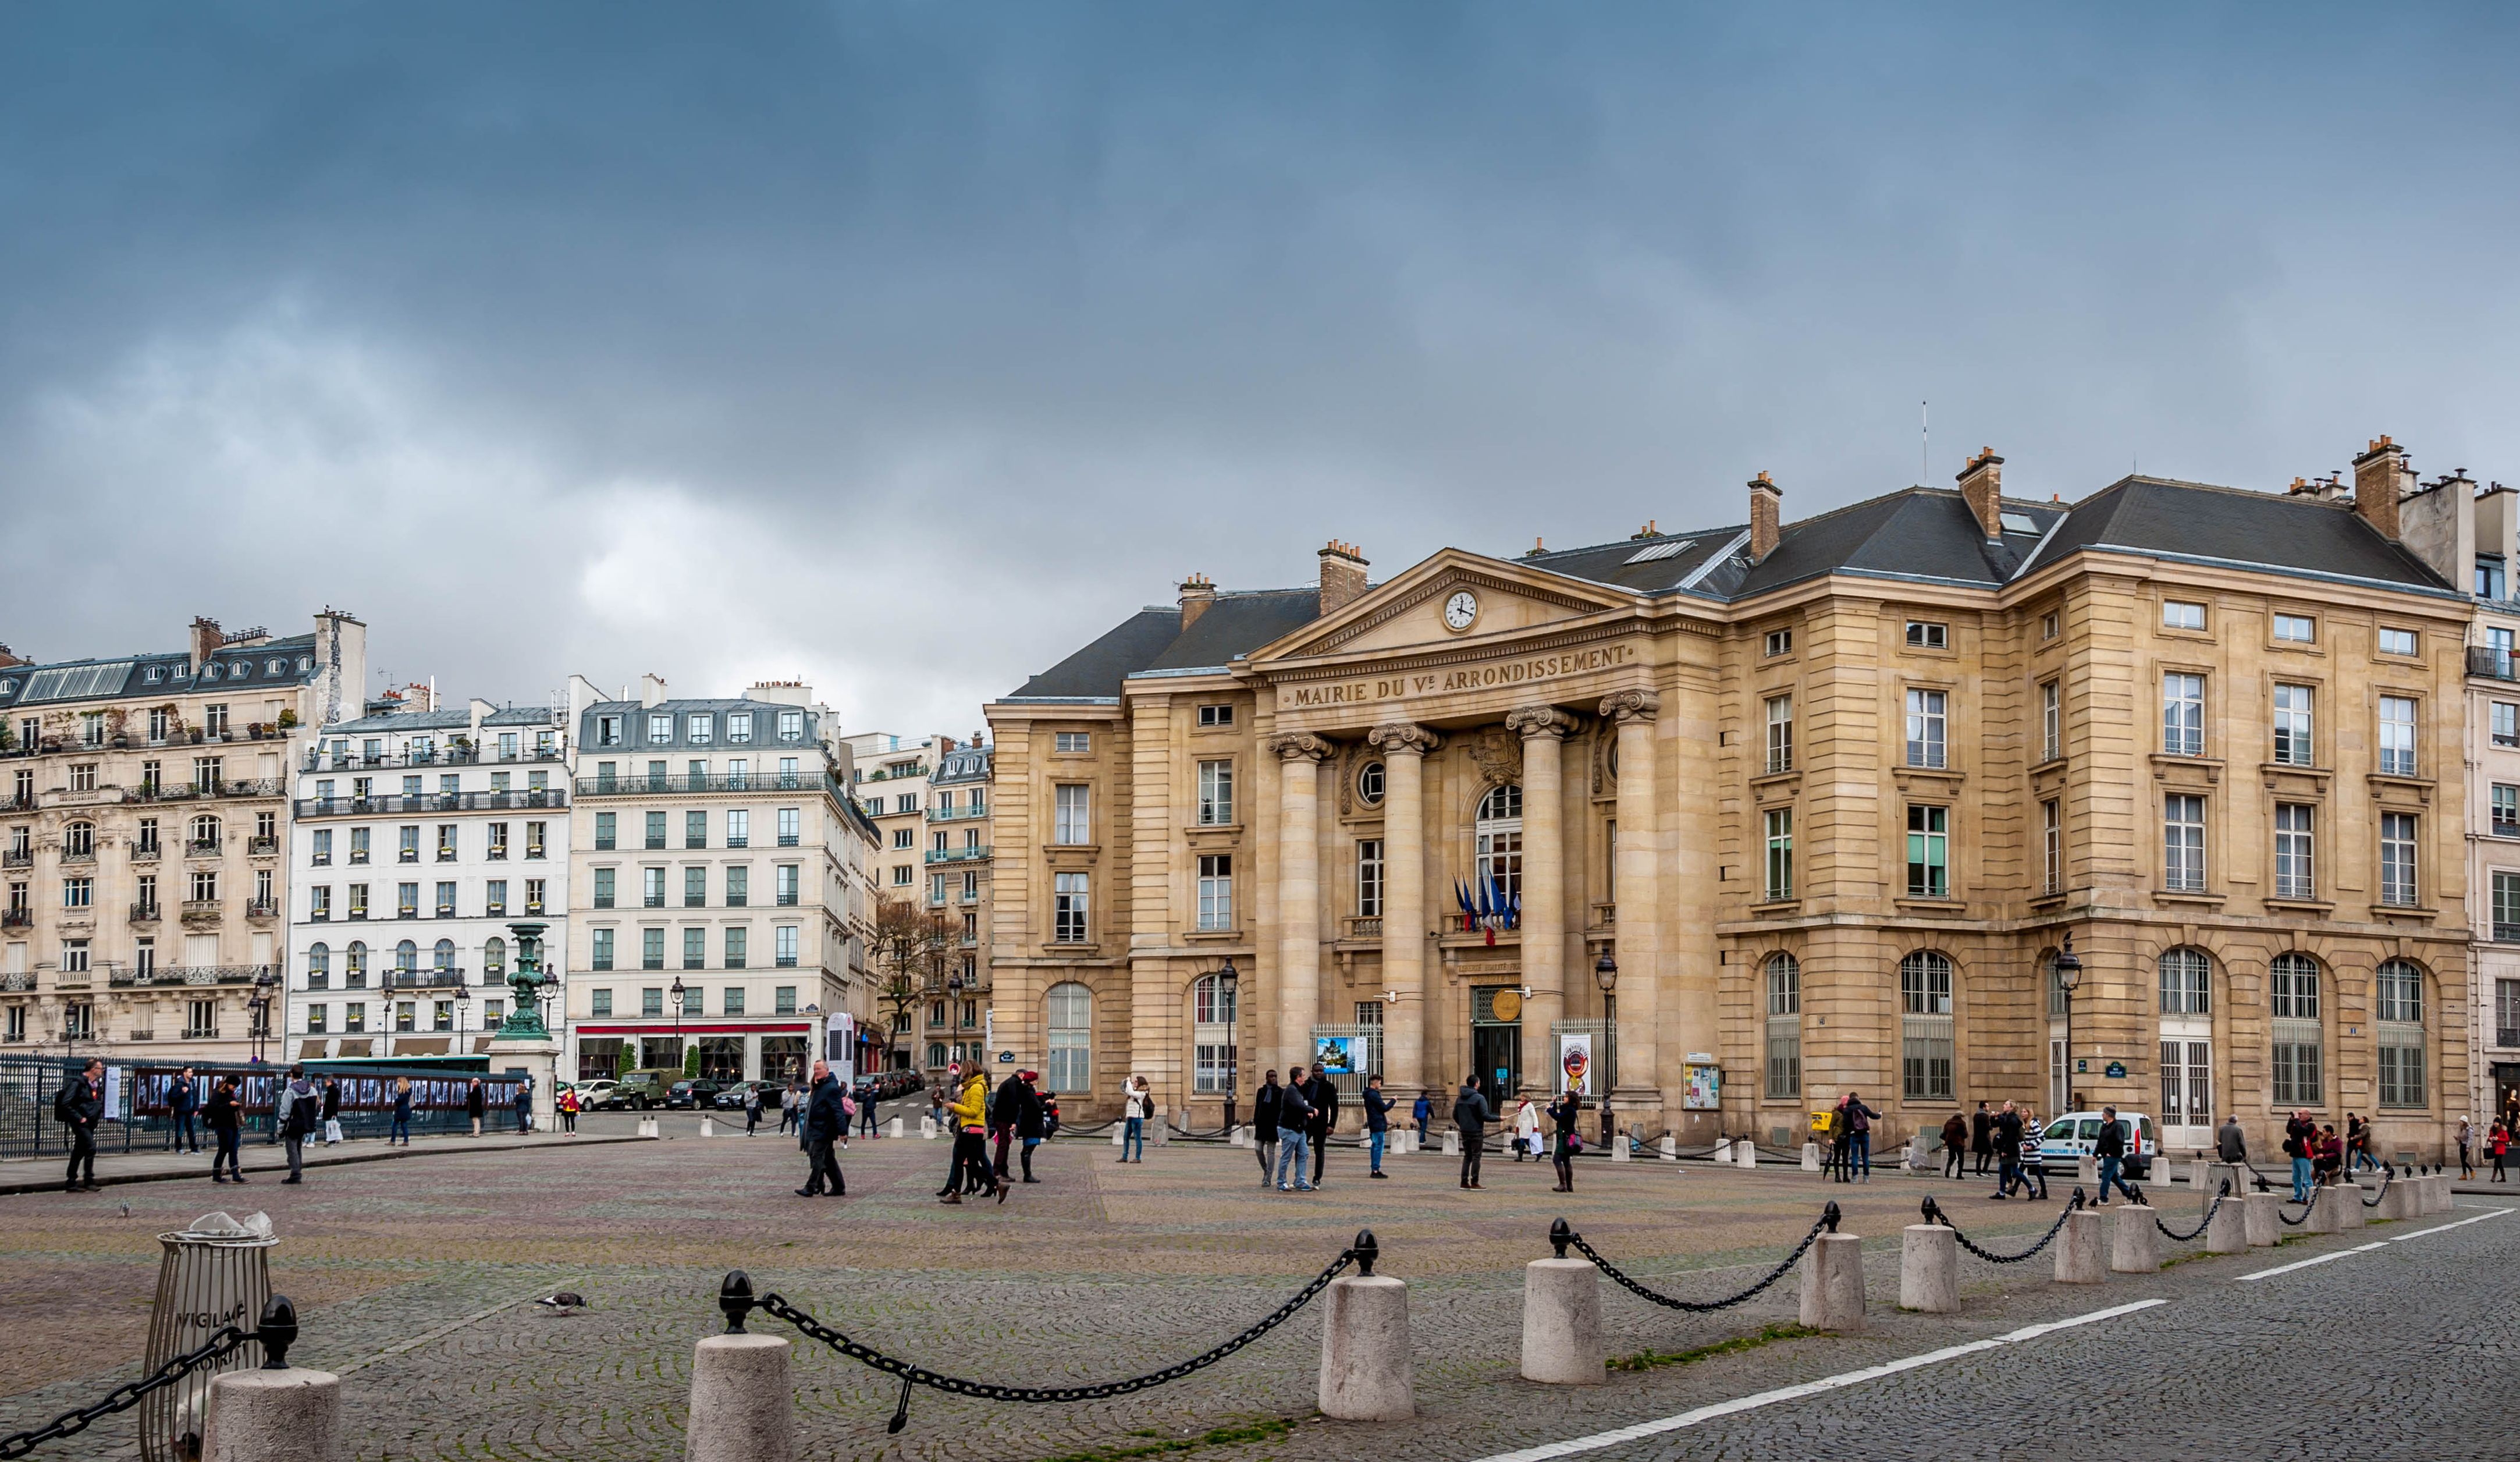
x=597 y=1095
x=2064 y=1142
x=692 y=1094
x=638 y=1091
x=737 y=1094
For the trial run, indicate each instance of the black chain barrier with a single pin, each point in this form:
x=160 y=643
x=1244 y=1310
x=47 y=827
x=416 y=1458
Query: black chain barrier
x=736 y=1300
x=277 y=1330
x=2312 y=1203
x=2203 y=1223
x=1934 y=1213
x=2388 y=1176
x=1561 y=1236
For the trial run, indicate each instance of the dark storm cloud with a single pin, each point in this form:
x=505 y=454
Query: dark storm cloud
x=906 y=347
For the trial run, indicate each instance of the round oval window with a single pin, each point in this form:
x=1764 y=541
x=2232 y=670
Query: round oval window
x=1369 y=783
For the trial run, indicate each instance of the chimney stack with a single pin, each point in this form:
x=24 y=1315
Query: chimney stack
x=1766 y=516
x=1982 y=484
x=9 y=656
x=2379 y=479
x=206 y=638
x=1343 y=569
x=651 y=689
x=1198 y=592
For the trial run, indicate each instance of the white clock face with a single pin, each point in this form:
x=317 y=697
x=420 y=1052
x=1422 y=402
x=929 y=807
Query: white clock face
x=1460 y=610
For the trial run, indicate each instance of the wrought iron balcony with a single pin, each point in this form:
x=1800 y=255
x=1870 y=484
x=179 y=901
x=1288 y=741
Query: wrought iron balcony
x=957 y=854
x=192 y=975
x=201 y=911
x=142 y=852
x=78 y=855
x=202 y=847
x=262 y=845
x=262 y=908
x=668 y=784
x=18 y=859
x=2496 y=664
x=146 y=913
x=18 y=919
x=423 y=980
x=956 y=814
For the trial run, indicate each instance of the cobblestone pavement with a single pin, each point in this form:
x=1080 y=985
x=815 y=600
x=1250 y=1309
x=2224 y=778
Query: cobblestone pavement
x=411 y=1278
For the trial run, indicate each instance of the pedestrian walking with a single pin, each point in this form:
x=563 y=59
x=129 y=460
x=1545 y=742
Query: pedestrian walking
x=1422 y=1113
x=1264 y=1124
x=1031 y=1119
x=2110 y=1146
x=1563 y=1115
x=2502 y=1145
x=1324 y=1094
x=1377 y=1122
x=826 y=1118
x=1982 y=1138
x=477 y=1104
x=301 y=1108
x=1859 y=1128
x=1137 y=1103
x=2467 y=1144
x=1006 y=1108
x=969 y=1113
x=1956 y=1143
x=1841 y=1141
x=937 y=1098
x=571 y=1104
x=225 y=1119
x=1526 y=1130
x=788 y=1112
x=865 y=1110
x=183 y=1098
x=2003 y=1134
x=526 y=1105
x=2230 y=1144
x=81 y=1106
x=400 y=1131
x=2299 y=1144
x=2357 y=1144
x=1294 y=1118
x=751 y=1109
x=332 y=1112
x=1471 y=1115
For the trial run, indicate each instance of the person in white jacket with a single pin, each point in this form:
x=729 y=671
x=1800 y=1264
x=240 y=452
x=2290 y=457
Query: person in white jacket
x=1526 y=1130
x=1136 y=1104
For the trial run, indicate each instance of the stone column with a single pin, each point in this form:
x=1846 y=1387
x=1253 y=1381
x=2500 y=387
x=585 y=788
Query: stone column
x=1299 y=895
x=1543 y=729
x=1638 y=948
x=1403 y=748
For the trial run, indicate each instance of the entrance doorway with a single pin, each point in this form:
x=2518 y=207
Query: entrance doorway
x=1496 y=1053
x=2186 y=1113
x=2059 y=1098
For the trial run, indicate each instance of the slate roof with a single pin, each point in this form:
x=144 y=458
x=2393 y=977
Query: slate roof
x=394 y=722
x=1922 y=535
x=159 y=673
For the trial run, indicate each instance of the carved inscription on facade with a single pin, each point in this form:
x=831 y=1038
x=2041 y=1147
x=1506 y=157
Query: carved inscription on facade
x=1364 y=690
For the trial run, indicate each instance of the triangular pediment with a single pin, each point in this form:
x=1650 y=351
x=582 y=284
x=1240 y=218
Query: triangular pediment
x=1417 y=610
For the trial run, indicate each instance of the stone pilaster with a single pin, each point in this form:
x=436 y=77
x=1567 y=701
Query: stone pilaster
x=1299 y=895
x=1543 y=729
x=1639 y=942
x=1403 y=748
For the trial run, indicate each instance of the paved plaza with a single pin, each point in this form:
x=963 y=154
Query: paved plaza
x=415 y=1280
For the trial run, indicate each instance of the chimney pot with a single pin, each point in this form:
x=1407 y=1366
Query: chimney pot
x=2378 y=483
x=1198 y=592
x=1982 y=488
x=1766 y=516
x=1343 y=567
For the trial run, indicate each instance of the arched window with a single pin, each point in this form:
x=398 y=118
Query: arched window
x=1069 y=1063
x=78 y=841
x=1369 y=783
x=2297 y=1037
x=406 y=955
x=936 y=1054
x=2059 y=998
x=443 y=956
x=1925 y=1033
x=2187 y=982
x=354 y=965
x=1499 y=833
x=1212 y=1026
x=319 y=965
x=494 y=957
x=1784 y=1028
x=2398 y=988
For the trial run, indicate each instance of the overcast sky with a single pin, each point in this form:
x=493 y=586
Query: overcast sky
x=904 y=349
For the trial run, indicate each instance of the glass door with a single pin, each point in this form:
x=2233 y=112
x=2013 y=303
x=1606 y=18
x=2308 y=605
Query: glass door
x=2187 y=1114
x=2058 y=1102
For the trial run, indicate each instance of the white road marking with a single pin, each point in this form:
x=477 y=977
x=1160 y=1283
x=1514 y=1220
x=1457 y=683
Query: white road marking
x=2323 y=1259
x=1715 y=1410
x=2447 y=1227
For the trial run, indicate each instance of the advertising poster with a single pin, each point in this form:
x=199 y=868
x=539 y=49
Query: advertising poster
x=1705 y=1089
x=1338 y=1055
x=839 y=1046
x=1575 y=1062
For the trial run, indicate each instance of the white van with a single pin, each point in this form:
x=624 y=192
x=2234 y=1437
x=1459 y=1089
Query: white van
x=2065 y=1141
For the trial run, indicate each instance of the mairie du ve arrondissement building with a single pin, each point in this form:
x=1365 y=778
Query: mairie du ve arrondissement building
x=1831 y=795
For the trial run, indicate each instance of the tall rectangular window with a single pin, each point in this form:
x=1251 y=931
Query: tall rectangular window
x=652 y=949
x=1067 y=908
x=2506 y=1013
x=694 y=949
x=2397 y=859
x=2183 y=843
x=1368 y=878
x=2292 y=725
x=1928 y=852
x=783 y=946
x=696 y=829
x=1781 y=853
x=2397 y=736
x=739 y=945
x=606 y=824
x=2296 y=866
x=791 y=826
x=695 y=887
x=2052 y=720
x=786 y=883
x=1215 y=891
x=1785 y=1032
x=1925 y=728
x=2507 y=908
x=1780 y=733
x=1072 y=817
x=2507 y=724
x=739 y=828
x=1926 y=1055
x=2052 y=845
x=1215 y=792
x=656 y=830
x=2506 y=810
x=602 y=955
x=2182 y=715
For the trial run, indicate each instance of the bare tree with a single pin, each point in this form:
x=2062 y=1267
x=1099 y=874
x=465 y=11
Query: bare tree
x=912 y=949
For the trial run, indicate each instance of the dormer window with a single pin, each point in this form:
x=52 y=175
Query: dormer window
x=154 y=675
x=698 y=728
x=660 y=727
x=739 y=725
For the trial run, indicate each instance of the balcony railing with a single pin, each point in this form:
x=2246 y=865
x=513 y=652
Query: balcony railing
x=78 y=855
x=957 y=854
x=956 y=814
x=201 y=911
x=176 y=792
x=18 y=860
x=18 y=919
x=2486 y=660
x=260 y=845
x=142 y=852
x=324 y=760
x=202 y=847
x=175 y=974
x=146 y=913
x=431 y=802
x=667 y=784
x=262 y=908
x=423 y=980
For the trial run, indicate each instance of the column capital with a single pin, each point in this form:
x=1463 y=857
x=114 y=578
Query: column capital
x=1631 y=705
x=1532 y=722
x=1396 y=738
x=1294 y=744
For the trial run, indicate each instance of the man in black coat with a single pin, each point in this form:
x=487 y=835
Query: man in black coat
x=1006 y=1108
x=183 y=1099
x=824 y=1123
x=1324 y=1099
x=82 y=1107
x=1982 y=1138
x=1471 y=1115
x=1028 y=1117
x=1264 y=1125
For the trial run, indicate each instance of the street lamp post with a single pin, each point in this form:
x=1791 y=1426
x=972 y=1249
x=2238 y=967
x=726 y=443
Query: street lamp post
x=1605 y=972
x=1228 y=981
x=258 y=1017
x=2069 y=973
x=682 y=1058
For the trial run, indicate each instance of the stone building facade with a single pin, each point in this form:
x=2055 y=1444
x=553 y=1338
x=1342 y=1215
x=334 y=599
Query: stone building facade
x=146 y=831
x=1829 y=795
x=954 y=1019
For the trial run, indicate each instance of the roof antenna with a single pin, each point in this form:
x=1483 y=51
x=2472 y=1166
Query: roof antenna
x=1925 y=442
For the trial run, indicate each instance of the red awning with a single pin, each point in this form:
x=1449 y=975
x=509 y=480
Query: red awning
x=785 y=1026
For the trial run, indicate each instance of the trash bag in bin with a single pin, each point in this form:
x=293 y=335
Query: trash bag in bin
x=214 y=1273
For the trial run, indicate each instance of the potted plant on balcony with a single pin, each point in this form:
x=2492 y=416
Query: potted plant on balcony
x=288 y=719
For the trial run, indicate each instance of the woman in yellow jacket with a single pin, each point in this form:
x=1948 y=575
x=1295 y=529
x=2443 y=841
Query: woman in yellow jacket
x=969 y=1114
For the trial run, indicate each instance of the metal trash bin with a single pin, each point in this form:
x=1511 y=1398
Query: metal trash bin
x=213 y=1274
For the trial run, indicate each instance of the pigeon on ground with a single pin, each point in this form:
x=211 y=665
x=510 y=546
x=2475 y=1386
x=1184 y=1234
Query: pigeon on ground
x=565 y=1300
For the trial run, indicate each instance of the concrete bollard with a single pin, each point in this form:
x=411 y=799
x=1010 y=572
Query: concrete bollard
x=1833 y=1283
x=2439 y=1182
x=274 y=1416
x=927 y=1128
x=2080 y=1249
x=1452 y=1144
x=1670 y=1149
x=2227 y=1231
x=708 y=1126
x=2262 y=1215
x=1119 y=1134
x=2086 y=1171
x=2328 y=1209
x=742 y=1407
x=2219 y=1173
x=1163 y=1132
x=1367 y=1372
x=2201 y=1175
x=2134 y=1240
x=1561 y=1322
x=2397 y=1202
x=2348 y=1209
x=1746 y=1152
x=1929 y=1269
x=648 y=1126
x=892 y=1128
x=1619 y=1146
x=1811 y=1157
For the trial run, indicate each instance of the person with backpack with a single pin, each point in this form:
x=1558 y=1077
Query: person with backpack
x=1859 y=1134
x=1956 y=1144
x=1295 y=1117
x=1422 y=1114
x=400 y=1131
x=301 y=1108
x=2301 y=1136
x=1264 y=1125
x=81 y=1106
x=223 y=1113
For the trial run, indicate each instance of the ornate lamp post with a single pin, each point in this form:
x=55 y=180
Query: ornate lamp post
x=2069 y=973
x=954 y=1011
x=258 y=1006
x=1229 y=980
x=682 y=1058
x=1605 y=972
